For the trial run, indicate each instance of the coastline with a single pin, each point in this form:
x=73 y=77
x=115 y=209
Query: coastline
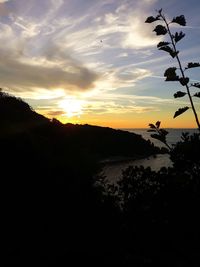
x=121 y=159
x=112 y=170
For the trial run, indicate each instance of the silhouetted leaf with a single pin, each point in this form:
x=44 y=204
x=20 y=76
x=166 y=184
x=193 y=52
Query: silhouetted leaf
x=158 y=137
x=180 y=111
x=172 y=79
x=151 y=19
x=152 y=126
x=160 y=30
x=166 y=48
x=174 y=53
x=197 y=94
x=178 y=36
x=192 y=65
x=180 y=20
x=162 y=44
x=163 y=132
x=184 y=81
x=179 y=94
x=158 y=124
x=196 y=85
x=170 y=74
x=169 y=50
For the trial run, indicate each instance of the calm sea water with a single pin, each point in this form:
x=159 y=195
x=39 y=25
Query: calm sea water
x=113 y=171
x=173 y=136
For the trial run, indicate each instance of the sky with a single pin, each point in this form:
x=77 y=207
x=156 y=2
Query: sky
x=96 y=61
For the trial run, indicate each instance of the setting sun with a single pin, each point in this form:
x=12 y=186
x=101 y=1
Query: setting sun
x=71 y=107
x=98 y=64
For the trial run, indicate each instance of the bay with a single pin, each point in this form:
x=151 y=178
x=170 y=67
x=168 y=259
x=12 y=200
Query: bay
x=174 y=134
x=113 y=170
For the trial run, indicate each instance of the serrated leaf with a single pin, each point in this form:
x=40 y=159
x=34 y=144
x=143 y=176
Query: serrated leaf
x=162 y=44
x=151 y=19
x=170 y=74
x=179 y=94
x=160 y=30
x=192 y=65
x=178 y=36
x=180 y=111
x=196 y=85
x=184 y=81
x=180 y=20
x=158 y=124
x=197 y=94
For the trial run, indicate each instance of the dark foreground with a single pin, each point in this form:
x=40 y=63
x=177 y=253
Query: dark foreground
x=57 y=211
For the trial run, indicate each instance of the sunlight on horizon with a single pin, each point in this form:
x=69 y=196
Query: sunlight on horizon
x=95 y=62
x=72 y=107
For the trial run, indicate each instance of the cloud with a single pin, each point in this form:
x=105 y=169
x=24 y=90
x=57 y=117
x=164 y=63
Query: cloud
x=114 y=108
x=3 y=1
x=124 y=27
x=122 y=77
x=77 y=50
x=106 y=104
x=4 y=10
x=22 y=76
x=48 y=51
x=27 y=64
x=137 y=35
x=110 y=103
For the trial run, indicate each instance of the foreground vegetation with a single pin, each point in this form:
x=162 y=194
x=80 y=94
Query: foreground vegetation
x=56 y=212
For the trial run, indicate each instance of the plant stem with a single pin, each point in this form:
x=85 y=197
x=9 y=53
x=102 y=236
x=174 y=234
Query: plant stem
x=164 y=142
x=182 y=72
x=168 y=146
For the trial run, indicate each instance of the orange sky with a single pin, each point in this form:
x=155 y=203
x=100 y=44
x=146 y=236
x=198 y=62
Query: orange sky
x=97 y=62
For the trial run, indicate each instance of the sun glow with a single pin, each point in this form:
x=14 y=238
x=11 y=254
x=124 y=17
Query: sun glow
x=72 y=107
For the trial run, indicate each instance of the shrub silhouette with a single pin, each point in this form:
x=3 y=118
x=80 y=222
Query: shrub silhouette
x=170 y=47
x=159 y=210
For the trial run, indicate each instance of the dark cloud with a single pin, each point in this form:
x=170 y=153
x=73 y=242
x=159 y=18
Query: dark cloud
x=19 y=75
x=55 y=113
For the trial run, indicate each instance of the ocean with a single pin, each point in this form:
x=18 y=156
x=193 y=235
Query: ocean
x=173 y=136
x=113 y=171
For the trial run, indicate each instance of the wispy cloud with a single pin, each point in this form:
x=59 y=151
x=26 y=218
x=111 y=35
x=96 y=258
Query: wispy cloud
x=3 y=1
x=90 y=50
x=114 y=78
x=63 y=46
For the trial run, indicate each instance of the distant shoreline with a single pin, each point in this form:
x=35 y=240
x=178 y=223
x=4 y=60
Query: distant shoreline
x=171 y=128
x=117 y=160
x=113 y=170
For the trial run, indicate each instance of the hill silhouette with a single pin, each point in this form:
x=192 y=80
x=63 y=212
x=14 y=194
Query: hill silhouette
x=17 y=117
x=52 y=212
